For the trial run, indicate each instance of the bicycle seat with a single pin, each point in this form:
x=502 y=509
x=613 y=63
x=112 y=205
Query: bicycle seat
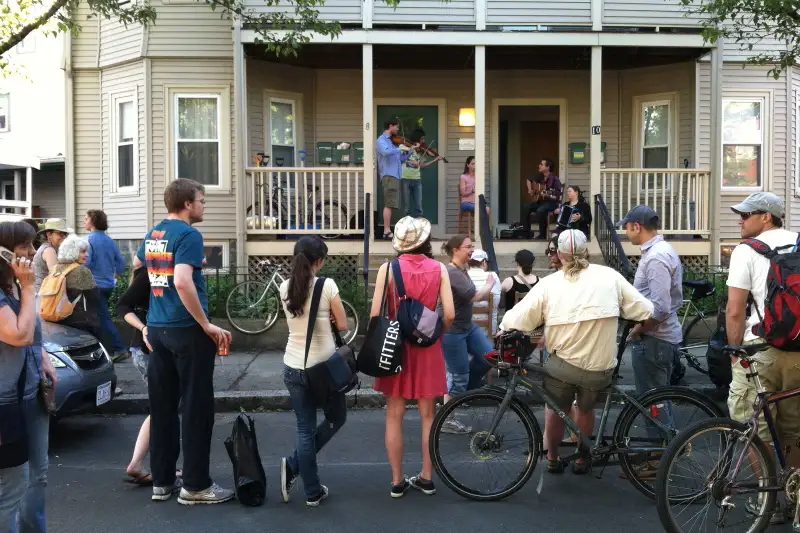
x=749 y=349
x=700 y=288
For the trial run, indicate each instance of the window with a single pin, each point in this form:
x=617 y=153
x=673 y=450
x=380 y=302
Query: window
x=725 y=251
x=4 y=112
x=124 y=144
x=7 y=193
x=216 y=257
x=282 y=131
x=197 y=138
x=655 y=139
x=743 y=143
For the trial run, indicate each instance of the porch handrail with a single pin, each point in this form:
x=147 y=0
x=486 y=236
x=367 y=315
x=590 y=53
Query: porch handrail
x=609 y=241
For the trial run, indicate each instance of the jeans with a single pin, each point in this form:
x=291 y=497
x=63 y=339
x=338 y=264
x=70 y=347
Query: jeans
x=22 y=488
x=105 y=322
x=181 y=369
x=463 y=373
x=467 y=206
x=311 y=438
x=652 y=367
x=542 y=210
x=412 y=197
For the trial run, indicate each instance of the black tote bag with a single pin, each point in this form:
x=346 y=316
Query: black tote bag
x=13 y=431
x=382 y=353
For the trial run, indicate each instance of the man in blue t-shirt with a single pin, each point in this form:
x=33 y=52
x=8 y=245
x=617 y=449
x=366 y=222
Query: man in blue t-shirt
x=184 y=345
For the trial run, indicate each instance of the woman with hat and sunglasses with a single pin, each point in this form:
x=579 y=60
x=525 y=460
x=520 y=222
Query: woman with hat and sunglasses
x=423 y=375
x=54 y=231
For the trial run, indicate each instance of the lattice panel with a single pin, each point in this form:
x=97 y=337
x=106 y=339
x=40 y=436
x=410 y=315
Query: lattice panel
x=338 y=267
x=694 y=262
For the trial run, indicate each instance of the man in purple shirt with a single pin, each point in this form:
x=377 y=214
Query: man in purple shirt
x=548 y=199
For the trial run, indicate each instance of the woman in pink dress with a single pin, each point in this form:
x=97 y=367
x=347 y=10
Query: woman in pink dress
x=423 y=376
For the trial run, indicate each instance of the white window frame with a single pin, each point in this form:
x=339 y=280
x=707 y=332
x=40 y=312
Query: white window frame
x=222 y=94
x=114 y=102
x=672 y=99
x=766 y=99
x=226 y=257
x=7 y=97
x=296 y=99
x=796 y=130
x=27 y=45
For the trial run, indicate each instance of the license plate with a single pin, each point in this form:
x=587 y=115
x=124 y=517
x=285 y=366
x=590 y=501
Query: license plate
x=104 y=393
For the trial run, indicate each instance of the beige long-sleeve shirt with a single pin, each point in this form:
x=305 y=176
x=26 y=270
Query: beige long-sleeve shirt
x=580 y=316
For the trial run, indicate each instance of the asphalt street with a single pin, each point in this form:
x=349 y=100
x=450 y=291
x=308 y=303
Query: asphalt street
x=86 y=492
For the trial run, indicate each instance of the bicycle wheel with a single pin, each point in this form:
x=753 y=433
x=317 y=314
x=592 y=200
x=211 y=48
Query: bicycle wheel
x=352 y=322
x=694 y=349
x=331 y=214
x=478 y=448
x=684 y=462
x=253 y=307
x=676 y=408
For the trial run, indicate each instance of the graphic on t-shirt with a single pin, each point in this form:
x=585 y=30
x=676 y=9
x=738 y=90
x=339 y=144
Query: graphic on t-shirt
x=160 y=263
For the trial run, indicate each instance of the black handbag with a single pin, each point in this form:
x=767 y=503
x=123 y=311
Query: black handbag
x=250 y=480
x=336 y=375
x=382 y=352
x=13 y=433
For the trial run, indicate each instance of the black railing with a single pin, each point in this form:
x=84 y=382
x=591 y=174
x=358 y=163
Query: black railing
x=608 y=239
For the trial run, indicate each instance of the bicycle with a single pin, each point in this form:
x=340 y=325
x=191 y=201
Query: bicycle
x=701 y=289
x=253 y=307
x=719 y=487
x=488 y=442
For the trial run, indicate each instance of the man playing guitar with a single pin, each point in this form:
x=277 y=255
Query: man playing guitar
x=545 y=190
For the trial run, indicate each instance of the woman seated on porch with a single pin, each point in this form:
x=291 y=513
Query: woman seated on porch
x=466 y=187
x=480 y=275
x=581 y=218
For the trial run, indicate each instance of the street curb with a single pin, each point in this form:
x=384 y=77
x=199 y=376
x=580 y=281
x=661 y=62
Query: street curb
x=278 y=400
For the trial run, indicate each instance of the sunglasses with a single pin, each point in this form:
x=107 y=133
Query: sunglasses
x=745 y=216
x=550 y=251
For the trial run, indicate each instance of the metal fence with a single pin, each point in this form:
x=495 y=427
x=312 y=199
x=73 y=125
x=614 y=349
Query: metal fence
x=608 y=240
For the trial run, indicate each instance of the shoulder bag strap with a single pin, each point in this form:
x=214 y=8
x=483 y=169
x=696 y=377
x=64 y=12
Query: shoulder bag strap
x=397 y=274
x=312 y=315
x=385 y=291
x=760 y=247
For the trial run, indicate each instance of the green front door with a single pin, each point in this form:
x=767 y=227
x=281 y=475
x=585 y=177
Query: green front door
x=411 y=118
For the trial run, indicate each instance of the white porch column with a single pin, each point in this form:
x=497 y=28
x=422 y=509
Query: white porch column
x=242 y=149
x=716 y=149
x=370 y=134
x=28 y=191
x=480 y=136
x=595 y=111
x=17 y=185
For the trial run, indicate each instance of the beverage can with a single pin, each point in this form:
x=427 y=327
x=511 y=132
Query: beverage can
x=222 y=349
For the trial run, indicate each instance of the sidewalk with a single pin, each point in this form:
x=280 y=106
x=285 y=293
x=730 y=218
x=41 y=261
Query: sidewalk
x=253 y=380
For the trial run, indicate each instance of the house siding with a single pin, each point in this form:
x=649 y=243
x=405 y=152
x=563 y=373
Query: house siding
x=220 y=213
x=126 y=213
x=119 y=43
x=793 y=200
x=571 y=12
x=189 y=29
x=750 y=78
x=337 y=10
x=85 y=46
x=644 y=13
x=418 y=12
x=49 y=192
x=88 y=135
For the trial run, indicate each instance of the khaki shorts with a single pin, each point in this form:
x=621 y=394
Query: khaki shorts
x=565 y=382
x=779 y=371
x=391 y=192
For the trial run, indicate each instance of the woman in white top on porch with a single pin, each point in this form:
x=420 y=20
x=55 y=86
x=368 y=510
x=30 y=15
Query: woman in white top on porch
x=579 y=306
x=479 y=272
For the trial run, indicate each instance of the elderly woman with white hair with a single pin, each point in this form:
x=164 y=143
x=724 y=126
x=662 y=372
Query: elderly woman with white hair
x=579 y=306
x=81 y=289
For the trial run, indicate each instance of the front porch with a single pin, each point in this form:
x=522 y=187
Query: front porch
x=318 y=125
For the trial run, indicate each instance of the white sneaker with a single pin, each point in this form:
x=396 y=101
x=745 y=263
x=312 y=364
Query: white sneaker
x=213 y=494
x=161 y=494
x=454 y=427
x=318 y=500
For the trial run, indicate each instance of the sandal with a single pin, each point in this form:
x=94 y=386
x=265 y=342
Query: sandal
x=555 y=466
x=142 y=479
x=581 y=466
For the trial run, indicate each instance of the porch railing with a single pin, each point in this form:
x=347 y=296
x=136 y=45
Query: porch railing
x=679 y=196
x=297 y=200
x=609 y=241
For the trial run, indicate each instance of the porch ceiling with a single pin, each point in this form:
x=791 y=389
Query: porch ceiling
x=348 y=56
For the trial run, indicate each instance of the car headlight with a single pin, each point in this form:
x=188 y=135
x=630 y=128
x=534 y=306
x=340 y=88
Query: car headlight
x=58 y=362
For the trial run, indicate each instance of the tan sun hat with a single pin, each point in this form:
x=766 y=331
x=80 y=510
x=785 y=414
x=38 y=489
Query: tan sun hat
x=56 y=224
x=410 y=233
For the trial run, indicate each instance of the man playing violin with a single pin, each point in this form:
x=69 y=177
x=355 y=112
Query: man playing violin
x=412 y=177
x=389 y=160
x=548 y=199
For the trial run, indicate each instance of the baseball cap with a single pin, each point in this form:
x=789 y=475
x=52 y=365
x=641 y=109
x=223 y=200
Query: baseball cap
x=571 y=242
x=640 y=214
x=765 y=202
x=479 y=255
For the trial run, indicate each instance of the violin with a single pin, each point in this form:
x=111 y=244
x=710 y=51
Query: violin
x=400 y=140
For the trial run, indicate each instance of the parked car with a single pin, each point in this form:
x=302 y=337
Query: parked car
x=86 y=377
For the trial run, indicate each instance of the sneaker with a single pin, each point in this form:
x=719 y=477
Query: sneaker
x=422 y=484
x=165 y=493
x=779 y=514
x=388 y=236
x=287 y=479
x=314 y=502
x=454 y=427
x=399 y=490
x=213 y=494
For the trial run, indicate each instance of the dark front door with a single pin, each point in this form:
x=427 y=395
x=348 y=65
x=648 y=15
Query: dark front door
x=538 y=140
x=411 y=118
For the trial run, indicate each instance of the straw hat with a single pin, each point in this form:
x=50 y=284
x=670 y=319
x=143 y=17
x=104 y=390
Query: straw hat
x=410 y=233
x=56 y=224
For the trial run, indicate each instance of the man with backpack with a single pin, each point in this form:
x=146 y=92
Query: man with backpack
x=752 y=275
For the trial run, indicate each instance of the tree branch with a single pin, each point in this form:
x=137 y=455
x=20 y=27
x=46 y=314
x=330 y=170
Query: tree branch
x=17 y=37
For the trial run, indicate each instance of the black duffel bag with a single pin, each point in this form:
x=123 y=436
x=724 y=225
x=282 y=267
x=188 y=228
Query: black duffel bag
x=250 y=480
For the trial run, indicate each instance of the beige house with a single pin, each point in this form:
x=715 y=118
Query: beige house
x=623 y=95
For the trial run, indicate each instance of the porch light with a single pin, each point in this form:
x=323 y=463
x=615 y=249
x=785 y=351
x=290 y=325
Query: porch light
x=466 y=116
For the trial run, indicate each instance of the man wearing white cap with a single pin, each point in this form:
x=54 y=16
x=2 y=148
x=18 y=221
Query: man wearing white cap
x=579 y=306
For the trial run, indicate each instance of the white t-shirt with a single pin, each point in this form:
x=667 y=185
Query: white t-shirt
x=749 y=271
x=322 y=343
x=479 y=277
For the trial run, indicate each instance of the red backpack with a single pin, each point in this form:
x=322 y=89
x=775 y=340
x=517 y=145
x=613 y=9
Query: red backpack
x=780 y=326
